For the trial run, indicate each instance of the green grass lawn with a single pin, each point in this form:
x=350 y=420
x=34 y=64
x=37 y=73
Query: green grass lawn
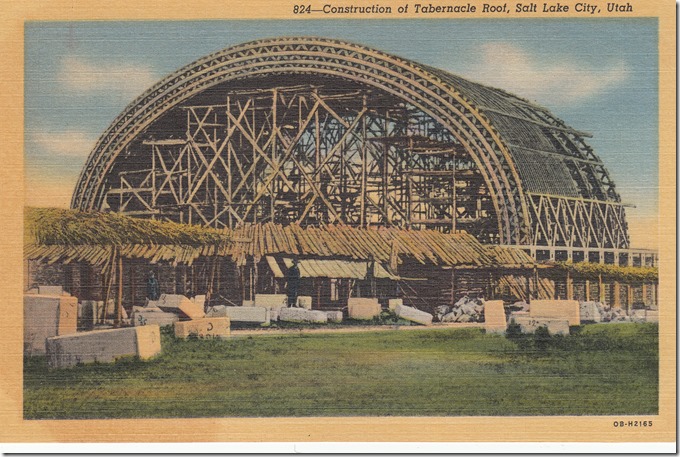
x=599 y=370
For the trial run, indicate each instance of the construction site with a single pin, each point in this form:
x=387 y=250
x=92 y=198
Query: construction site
x=379 y=178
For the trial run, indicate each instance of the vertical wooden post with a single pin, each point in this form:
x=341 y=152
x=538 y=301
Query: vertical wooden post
x=629 y=297
x=617 y=294
x=570 y=286
x=119 y=307
x=644 y=293
x=537 y=287
x=600 y=288
x=587 y=290
x=528 y=284
x=453 y=286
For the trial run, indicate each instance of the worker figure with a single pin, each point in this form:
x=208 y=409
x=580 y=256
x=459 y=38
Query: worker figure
x=153 y=289
x=293 y=282
x=370 y=274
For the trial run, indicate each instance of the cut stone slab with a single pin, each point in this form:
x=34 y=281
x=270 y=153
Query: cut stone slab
x=215 y=327
x=153 y=317
x=317 y=317
x=304 y=301
x=554 y=326
x=256 y=314
x=494 y=317
x=302 y=315
x=179 y=304
x=413 y=315
x=556 y=309
x=46 y=316
x=217 y=311
x=293 y=315
x=50 y=290
x=652 y=316
x=271 y=300
x=589 y=312
x=363 y=308
x=392 y=303
x=103 y=346
x=334 y=316
x=199 y=300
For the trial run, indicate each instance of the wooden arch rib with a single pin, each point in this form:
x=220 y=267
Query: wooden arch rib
x=289 y=56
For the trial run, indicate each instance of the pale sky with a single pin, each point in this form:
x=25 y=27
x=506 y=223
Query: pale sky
x=598 y=75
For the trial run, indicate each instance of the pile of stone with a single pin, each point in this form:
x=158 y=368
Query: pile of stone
x=601 y=312
x=466 y=309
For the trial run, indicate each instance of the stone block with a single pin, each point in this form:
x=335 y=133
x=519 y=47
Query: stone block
x=50 y=290
x=334 y=316
x=652 y=316
x=103 y=346
x=215 y=327
x=413 y=315
x=293 y=315
x=46 y=316
x=216 y=311
x=363 y=308
x=392 y=303
x=271 y=301
x=181 y=305
x=589 y=312
x=317 y=317
x=556 y=309
x=153 y=317
x=302 y=315
x=256 y=314
x=494 y=317
x=555 y=326
x=199 y=300
x=304 y=301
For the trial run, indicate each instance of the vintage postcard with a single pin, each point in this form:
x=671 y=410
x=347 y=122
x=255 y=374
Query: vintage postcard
x=440 y=224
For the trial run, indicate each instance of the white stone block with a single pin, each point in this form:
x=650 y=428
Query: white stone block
x=199 y=300
x=413 y=315
x=556 y=309
x=293 y=314
x=103 y=346
x=363 y=308
x=304 y=301
x=179 y=304
x=652 y=316
x=554 y=326
x=494 y=317
x=392 y=303
x=147 y=317
x=215 y=327
x=589 y=312
x=256 y=314
x=334 y=316
x=46 y=316
x=317 y=317
x=271 y=301
x=302 y=315
x=50 y=290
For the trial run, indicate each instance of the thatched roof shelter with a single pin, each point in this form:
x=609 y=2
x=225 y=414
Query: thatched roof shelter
x=67 y=235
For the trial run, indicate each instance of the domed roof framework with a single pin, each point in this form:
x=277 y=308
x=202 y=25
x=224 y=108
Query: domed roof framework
x=316 y=131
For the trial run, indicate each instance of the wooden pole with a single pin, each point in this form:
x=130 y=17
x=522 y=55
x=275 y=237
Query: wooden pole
x=600 y=289
x=528 y=291
x=119 y=307
x=617 y=294
x=570 y=286
x=111 y=265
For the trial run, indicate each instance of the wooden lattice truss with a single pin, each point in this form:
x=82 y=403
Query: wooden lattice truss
x=313 y=131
